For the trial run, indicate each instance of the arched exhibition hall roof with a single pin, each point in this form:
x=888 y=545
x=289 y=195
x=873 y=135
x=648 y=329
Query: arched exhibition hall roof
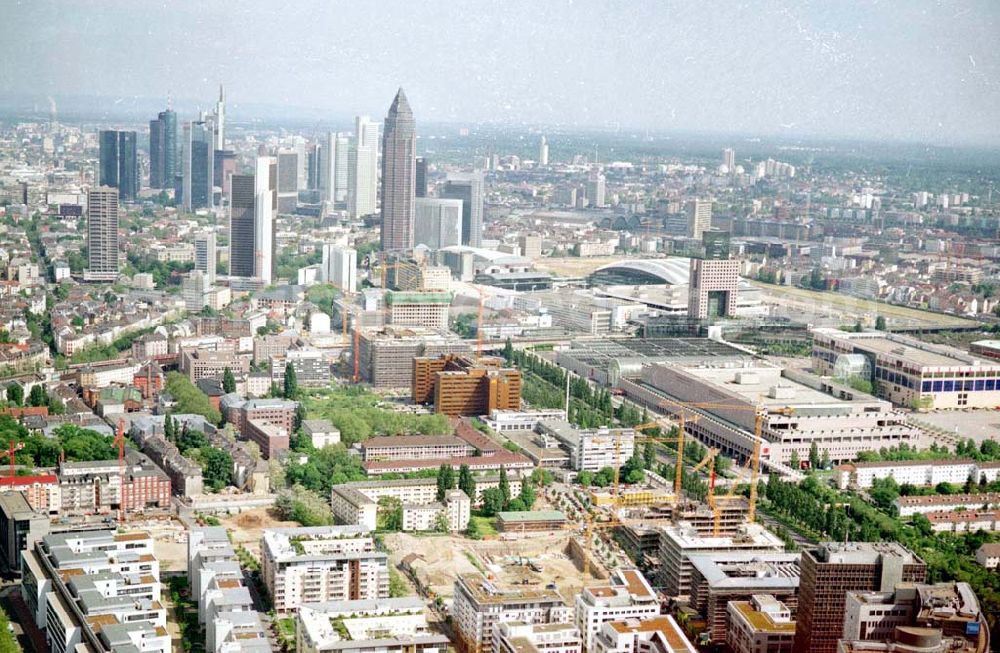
x=674 y=270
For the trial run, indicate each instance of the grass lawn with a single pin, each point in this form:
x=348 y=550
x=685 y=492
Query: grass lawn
x=286 y=630
x=487 y=525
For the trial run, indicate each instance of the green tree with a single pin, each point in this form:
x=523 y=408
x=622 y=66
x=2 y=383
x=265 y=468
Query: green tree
x=441 y=524
x=880 y=323
x=291 y=382
x=493 y=501
x=504 y=486
x=466 y=483
x=794 y=461
x=15 y=393
x=216 y=468
x=824 y=462
x=527 y=495
x=814 y=456
x=228 y=381
x=38 y=396
x=508 y=351
x=445 y=480
x=190 y=399
x=649 y=455
x=389 y=514
x=585 y=478
x=473 y=531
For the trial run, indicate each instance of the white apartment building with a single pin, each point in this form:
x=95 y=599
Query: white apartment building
x=761 y=625
x=357 y=503
x=590 y=450
x=628 y=595
x=657 y=635
x=517 y=637
x=520 y=421
x=323 y=563
x=397 y=625
x=480 y=605
x=340 y=267
x=678 y=542
x=916 y=472
x=914 y=505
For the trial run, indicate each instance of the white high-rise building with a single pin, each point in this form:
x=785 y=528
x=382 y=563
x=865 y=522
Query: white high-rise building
x=264 y=196
x=699 y=217
x=204 y=254
x=333 y=173
x=596 y=190
x=543 y=152
x=340 y=267
x=362 y=166
x=729 y=159
x=220 y=120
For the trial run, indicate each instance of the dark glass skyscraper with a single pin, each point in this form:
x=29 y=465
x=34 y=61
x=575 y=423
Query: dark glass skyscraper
x=197 y=165
x=421 y=180
x=119 y=164
x=399 y=157
x=163 y=150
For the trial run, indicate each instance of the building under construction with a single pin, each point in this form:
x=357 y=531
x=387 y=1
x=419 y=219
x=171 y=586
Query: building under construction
x=460 y=385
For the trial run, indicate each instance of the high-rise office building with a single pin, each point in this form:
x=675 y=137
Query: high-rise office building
x=469 y=189
x=288 y=181
x=314 y=166
x=119 y=163
x=596 y=190
x=163 y=150
x=399 y=153
x=714 y=279
x=699 y=217
x=421 y=179
x=729 y=159
x=340 y=267
x=334 y=173
x=437 y=222
x=251 y=222
x=219 y=122
x=197 y=165
x=223 y=170
x=543 y=152
x=102 y=234
x=829 y=572
x=362 y=168
x=204 y=254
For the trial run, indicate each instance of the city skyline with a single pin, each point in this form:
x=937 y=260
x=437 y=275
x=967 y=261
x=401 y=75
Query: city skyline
x=760 y=68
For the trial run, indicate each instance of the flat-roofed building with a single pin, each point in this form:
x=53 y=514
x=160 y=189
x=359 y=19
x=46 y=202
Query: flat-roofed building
x=628 y=595
x=832 y=570
x=681 y=541
x=657 y=635
x=394 y=625
x=20 y=527
x=719 y=579
x=940 y=618
x=419 y=308
x=530 y=521
x=798 y=409
x=590 y=450
x=460 y=385
x=520 y=421
x=480 y=605
x=517 y=637
x=912 y=373
x=761 y=625
x=386 y=356
x=912 y=472
x=321 y=432
x=323 y=563
x=914 y=505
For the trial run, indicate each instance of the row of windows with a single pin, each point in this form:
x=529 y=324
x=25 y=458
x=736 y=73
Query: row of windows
x=979 y=385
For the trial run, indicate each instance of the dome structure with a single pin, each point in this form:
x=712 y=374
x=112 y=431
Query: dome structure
x=653 y=271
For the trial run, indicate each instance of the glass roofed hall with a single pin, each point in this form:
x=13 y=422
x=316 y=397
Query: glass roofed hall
x=657 y=271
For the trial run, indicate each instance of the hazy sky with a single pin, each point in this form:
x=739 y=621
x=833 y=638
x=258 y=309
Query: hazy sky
x=913 y=69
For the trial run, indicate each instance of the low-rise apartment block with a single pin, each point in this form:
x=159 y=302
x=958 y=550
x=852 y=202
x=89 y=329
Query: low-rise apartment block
x=397 y=625
x=657 y=635
x=916 y=472
x=517 y=637
x=589 y=450
x=358 y=504
x=628 y=595
x=480 y=605
x=761 y=625
x=923 y=505
x=324 y=563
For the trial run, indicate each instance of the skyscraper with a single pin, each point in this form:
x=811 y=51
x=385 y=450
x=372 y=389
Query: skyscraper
x=333 y=172
x=219 y=122
x=288 y=181
x=204 y=254
x=197 y=165
x=251 y=222
x=314 y=166
x=399 y=154
x=362 y=166
x=714 y=280
x=699 y=217
x=102 y=234
x=437 y=222
x=119 y=164
x=163 y=150
x=832 y=570
x=340 y=267
x=469 y=189
x=421 y=179
x=543 y=152
x=596 y=190
x=729 y=159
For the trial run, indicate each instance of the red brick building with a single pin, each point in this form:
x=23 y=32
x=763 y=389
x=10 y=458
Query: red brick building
x=41 y=491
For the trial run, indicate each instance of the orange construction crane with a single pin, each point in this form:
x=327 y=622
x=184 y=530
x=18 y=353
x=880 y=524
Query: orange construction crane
x=120 y=441
x=12 y=449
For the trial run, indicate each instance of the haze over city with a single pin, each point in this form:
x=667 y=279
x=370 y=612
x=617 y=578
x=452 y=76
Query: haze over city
x=914 y=71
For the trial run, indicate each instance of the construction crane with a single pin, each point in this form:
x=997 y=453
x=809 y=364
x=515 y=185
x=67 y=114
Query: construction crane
x=120 y=441
x=715 y=505
x=12 y=449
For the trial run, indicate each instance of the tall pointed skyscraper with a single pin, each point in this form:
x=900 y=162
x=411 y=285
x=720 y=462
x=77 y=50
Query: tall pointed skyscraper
x=399 y=173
